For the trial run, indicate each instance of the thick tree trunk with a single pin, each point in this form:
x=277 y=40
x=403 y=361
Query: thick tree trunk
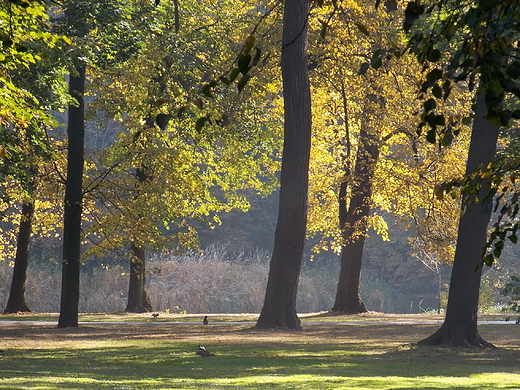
x=16 y=302
x=73 y=207
x=354 y=225
x=138 y=301
x=279 y=310
x=460 y=325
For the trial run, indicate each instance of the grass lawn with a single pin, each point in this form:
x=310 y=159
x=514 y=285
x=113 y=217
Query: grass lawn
x=330 y=353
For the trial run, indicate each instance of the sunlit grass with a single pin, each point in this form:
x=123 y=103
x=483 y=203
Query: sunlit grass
x=323 y=356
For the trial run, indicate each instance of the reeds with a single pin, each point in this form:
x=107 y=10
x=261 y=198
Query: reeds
x=213 y=281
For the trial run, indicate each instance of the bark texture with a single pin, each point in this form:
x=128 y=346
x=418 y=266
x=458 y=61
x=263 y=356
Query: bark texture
x=460 y=325
x=279 y=310
x=354 y=225
x=138 y=300
x=16 y=302
x=73 y=204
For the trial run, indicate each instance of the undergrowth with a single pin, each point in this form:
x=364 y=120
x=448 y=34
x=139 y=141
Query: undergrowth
x=214 y=281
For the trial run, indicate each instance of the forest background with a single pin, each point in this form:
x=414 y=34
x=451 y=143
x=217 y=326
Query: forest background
x=229 y=275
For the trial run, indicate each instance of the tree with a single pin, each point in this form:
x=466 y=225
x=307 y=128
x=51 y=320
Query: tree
x=363 y=115
x=354 y=220
x=73 y=202
x=190 y=145
x=460 y=325
x=279 y=309
x=81 y=21
x=475 y=42
x=16 y=302
x=25 y=146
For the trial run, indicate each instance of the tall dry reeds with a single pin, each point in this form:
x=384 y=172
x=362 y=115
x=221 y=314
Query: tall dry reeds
x=214 y=281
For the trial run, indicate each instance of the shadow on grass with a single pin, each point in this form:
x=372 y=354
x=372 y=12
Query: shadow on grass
x=321 y=356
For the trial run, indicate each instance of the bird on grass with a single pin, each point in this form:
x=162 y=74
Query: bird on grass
x=155 y=315
x=205 y=320
x=202 y=351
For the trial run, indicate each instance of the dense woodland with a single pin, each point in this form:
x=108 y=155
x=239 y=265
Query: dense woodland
x=271 y=156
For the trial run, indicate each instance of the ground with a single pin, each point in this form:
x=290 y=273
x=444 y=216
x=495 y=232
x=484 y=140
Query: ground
x=351 y=352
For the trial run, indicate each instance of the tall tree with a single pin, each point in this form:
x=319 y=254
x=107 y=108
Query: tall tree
x=279 y=309
x=460 y=325
x=73 y=202
x=354 y=219
x=475 y=41
x=115 y=41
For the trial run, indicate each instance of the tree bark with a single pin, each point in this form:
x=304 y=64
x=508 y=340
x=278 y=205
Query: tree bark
x=138 y=300
x=279 y=310
x=73 y=207
x=354 y=225
x=16 y=302
x=460 y=325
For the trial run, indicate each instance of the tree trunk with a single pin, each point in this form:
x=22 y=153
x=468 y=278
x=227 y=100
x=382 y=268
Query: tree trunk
x=354 y=225
x=16 y=302
x=73 y=208
x=460 y=325
x=138 y=300
x=279 y=310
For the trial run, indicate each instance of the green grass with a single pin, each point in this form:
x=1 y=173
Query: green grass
x=322 y=356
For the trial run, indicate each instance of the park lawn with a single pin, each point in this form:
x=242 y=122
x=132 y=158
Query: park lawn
x=325 y=355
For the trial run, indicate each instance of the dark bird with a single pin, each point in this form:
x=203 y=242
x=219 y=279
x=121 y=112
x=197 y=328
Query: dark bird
x=205 y=320
x=203 y=352
x=155 y=315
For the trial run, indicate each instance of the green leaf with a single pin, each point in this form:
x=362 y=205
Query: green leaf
x=446 y=87
x=243 y=63
x=233 y=74
x=200 y=123
x=377 y=63
x=434 y=75
x=516 y=114
x=431 y=136
x=434 y=55
x=225 y=80
x=243 y=81
x=437 y=91
x=224 y=121
x=494 y=88
x=181 y=111
x=488 y=260
x=206 y=90
x=429 y=105
x=513 y=70
x=363 y=29
x=364 y=67
x=440 y=120
x=413 y=11
x=447 y=138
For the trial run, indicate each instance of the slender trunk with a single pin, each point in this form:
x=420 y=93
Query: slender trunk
x=460 y=325
x=138 y=300
x=73 y=208
x=279 y=310
x=16 y=302
x=354 y=225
